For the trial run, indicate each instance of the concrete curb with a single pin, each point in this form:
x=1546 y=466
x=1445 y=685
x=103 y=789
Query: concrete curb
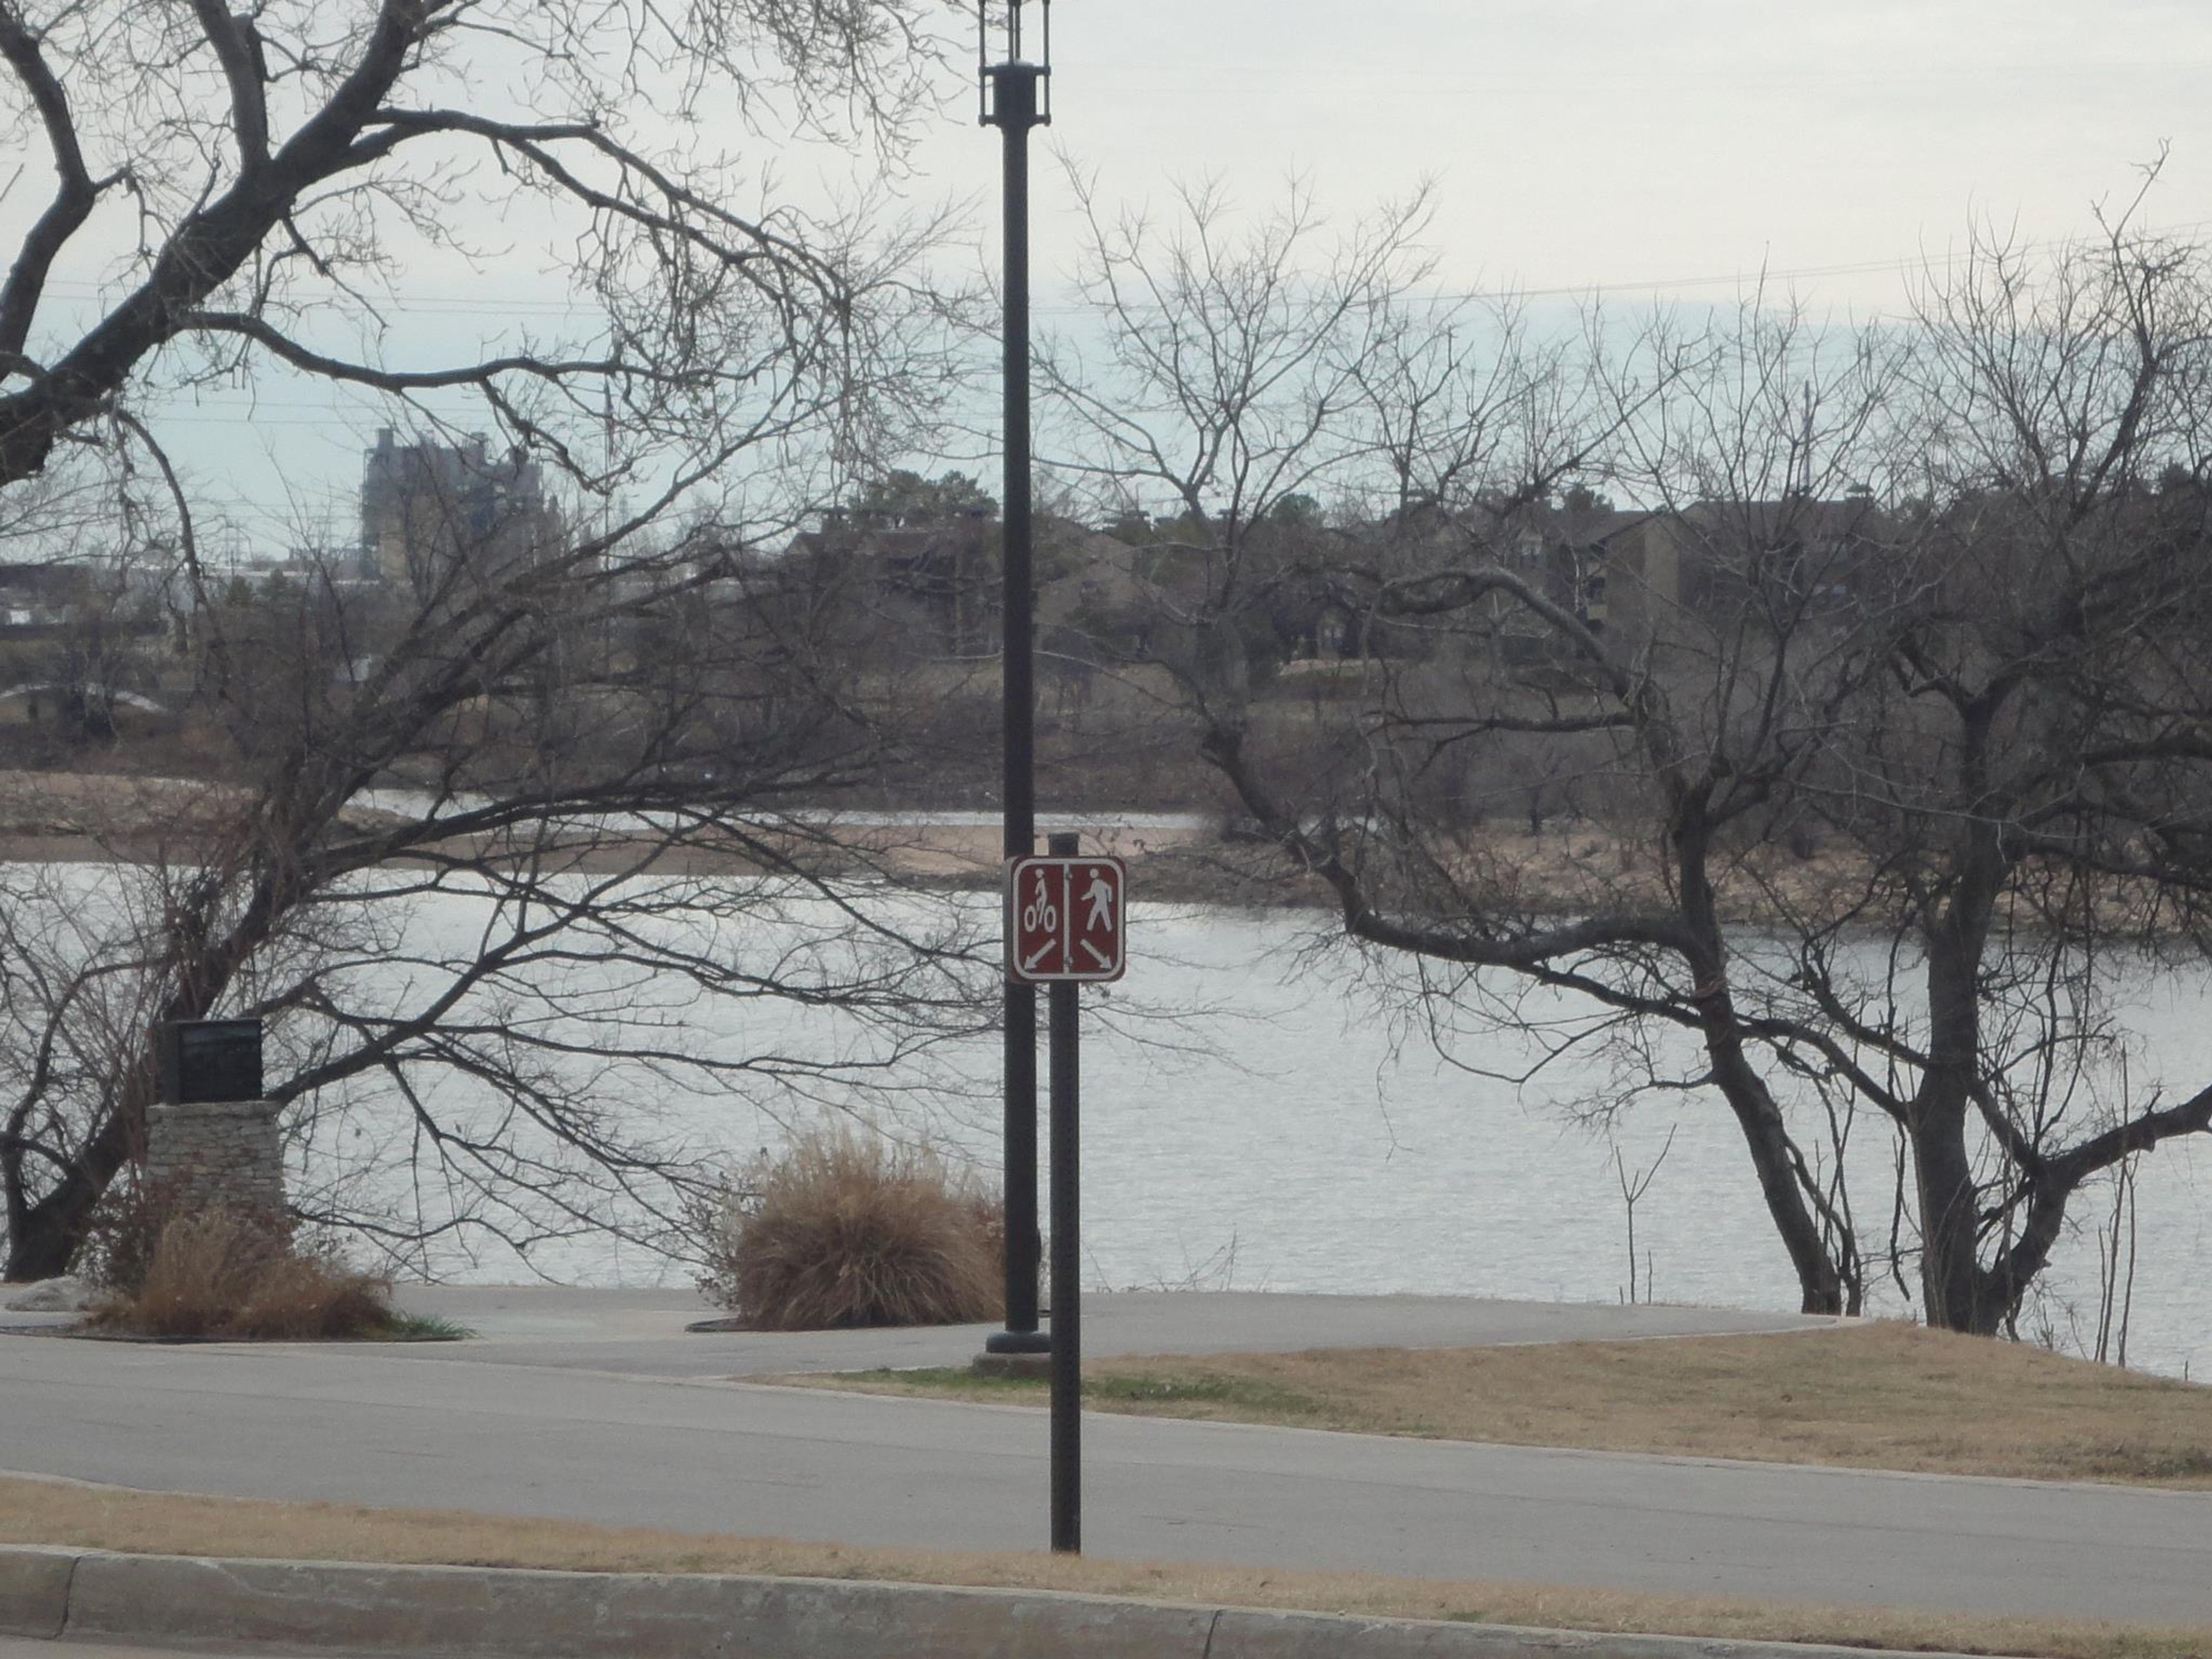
x=518 y=1613
x=34 y=1591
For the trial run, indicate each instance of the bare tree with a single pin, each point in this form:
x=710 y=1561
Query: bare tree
x=496 y=812
x=282 y=163
x=504 y=922
x=1454 y=428
x=2027 y=778
x=1892 y=638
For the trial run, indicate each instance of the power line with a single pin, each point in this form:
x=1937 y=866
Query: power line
x=1667 y=83
x=434 y=303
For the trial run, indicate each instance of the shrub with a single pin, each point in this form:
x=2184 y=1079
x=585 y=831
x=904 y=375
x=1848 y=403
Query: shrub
x=846 y=1228
x=119 y=1246
x=219 y=1274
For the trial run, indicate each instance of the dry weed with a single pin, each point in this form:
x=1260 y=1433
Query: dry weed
x=219 y=1274
x=846 y=1228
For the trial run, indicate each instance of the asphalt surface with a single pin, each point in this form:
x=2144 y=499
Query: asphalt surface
x=557 y=1413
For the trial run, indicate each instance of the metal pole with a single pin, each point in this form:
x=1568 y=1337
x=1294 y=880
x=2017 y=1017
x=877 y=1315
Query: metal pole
x=1014 y=112
x=1067 y=1297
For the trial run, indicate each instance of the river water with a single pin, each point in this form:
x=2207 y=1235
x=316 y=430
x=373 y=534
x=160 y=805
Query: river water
x=1255 y=1117
x=1336 y=1152
x=1258 y=1116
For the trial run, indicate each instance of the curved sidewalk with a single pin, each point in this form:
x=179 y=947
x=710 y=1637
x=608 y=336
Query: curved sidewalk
x=642 y=1332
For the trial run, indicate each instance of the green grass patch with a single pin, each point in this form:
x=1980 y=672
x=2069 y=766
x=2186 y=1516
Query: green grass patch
x=937 y=1379
x=424 y=1327
x=1166 y=1393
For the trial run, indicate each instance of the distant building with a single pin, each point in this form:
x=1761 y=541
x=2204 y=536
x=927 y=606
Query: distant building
x=1632 y=571
x=1607 y=566
x=929 y=564
x=431 y=513
x=936 y=578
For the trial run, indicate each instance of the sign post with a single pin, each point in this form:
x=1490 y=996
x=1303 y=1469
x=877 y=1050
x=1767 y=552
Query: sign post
x=1066 y=927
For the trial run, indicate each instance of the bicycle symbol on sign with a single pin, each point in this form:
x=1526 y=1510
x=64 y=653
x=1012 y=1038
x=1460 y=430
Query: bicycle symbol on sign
x=1041 y=915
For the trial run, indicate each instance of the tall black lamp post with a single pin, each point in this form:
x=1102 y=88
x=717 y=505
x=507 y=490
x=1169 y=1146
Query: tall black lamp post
x=1015 y=95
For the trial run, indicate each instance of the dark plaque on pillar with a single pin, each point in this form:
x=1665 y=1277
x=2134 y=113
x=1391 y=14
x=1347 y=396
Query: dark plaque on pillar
x=204 y=1060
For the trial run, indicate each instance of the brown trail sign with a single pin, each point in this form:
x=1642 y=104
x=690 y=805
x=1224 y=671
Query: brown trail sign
x=1065 y=920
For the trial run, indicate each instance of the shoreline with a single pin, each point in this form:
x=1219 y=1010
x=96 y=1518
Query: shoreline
x=1571 y=867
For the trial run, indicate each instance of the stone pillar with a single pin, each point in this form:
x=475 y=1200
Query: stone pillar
x=205 y=1155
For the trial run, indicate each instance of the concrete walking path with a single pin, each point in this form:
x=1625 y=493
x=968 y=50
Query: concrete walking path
x=642 y=1332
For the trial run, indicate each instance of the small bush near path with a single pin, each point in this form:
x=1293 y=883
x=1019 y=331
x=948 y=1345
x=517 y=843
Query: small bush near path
x=219 y=1275
x=844 y=1228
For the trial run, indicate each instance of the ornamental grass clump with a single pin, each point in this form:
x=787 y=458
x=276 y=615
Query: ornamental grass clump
x=846 y=1228
x=213 y=1273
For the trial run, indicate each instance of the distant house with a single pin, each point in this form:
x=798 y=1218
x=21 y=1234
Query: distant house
x=36 y=600
x=1800 y=551
x=920 y=554
x=1094 y=590
x=1614 y=568
x=1632 y=571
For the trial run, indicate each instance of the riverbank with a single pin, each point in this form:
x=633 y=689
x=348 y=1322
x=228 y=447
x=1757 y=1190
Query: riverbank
x=1570 y=866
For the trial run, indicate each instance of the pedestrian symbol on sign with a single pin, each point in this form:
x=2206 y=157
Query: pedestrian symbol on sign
x=1101 y=895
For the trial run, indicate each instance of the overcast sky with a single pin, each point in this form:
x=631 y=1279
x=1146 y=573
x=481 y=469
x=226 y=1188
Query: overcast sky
x=1630 y=141
x=1653 y=149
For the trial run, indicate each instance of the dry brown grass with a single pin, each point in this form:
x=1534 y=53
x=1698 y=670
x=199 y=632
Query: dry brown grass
x=216 y=1275
x=33 y=1511
x=1881 y=1396
x=846 y=1228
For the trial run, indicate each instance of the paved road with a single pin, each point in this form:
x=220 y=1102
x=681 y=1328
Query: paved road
x=487 y=1427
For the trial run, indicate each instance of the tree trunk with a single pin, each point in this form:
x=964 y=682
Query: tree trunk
x=1952 y=1287
x=43 y=1248
x=1955 y=1294
x=46 y=1235
x=1819 y=1281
